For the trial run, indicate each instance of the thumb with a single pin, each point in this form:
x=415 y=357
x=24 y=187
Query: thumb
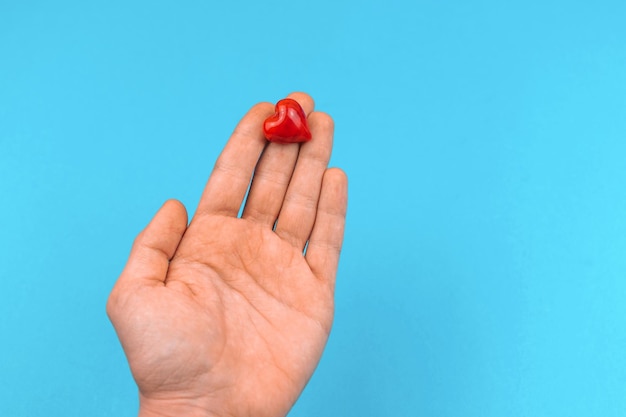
x=155 y=246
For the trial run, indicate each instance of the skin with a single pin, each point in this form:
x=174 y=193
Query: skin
x=225 y=316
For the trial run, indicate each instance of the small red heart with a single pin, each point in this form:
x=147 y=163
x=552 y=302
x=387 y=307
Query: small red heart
x=288 y=124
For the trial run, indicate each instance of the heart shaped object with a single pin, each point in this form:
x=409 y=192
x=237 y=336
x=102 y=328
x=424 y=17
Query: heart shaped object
x=288 y=124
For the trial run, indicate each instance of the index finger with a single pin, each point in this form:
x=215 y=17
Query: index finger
x=229 y=181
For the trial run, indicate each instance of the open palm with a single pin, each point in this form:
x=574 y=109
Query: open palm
x=226 y=316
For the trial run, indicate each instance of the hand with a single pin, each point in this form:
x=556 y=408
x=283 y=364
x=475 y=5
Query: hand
x=226 y=316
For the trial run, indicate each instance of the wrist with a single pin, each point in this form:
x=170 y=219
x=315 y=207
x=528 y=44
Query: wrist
x=172 y=408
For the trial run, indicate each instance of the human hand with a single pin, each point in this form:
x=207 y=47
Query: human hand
x=226 y=316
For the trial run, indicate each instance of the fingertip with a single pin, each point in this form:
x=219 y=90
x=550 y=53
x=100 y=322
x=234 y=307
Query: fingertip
x=177 y=210
x=304 y=99
x=250 y=123
x=164 y=230
x=337 y=174
x=262 y=107
x=322 y=121
x=171 y=219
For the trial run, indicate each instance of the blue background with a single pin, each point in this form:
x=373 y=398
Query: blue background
x=484 y=270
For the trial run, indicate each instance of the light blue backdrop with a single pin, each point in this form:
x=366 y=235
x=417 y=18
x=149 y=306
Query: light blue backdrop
x=484 y=270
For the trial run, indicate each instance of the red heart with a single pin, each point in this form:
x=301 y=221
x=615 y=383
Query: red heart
x=288 y=124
